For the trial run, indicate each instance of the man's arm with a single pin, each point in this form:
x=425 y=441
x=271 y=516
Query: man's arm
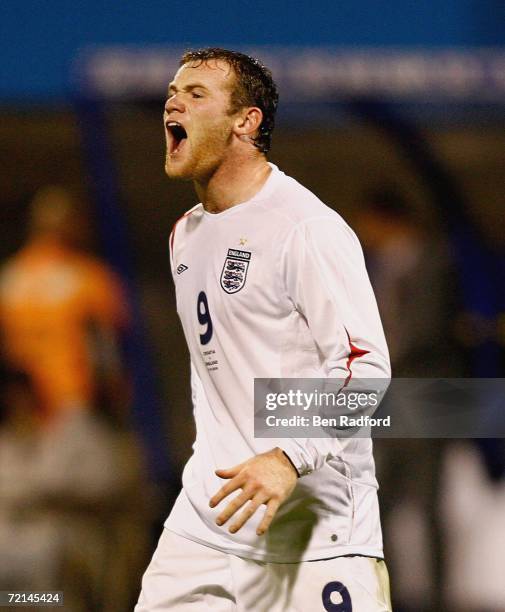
x=327 y=282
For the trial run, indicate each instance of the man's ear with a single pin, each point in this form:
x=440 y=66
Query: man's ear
x=248 y=122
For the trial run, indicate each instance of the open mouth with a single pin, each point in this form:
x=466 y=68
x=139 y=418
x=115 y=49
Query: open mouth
x=177 y=136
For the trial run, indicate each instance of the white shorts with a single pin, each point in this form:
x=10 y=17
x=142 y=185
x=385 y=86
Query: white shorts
x=186 y=576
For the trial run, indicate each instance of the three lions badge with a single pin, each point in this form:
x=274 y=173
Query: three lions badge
x=234 y=272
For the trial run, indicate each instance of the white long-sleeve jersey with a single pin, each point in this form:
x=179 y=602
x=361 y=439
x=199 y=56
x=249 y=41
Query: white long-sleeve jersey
x=276 y=287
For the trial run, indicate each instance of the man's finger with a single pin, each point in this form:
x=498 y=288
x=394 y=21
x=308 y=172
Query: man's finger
x=248 y=511
x=270 y=512
x=233 y=506
x=225 y=490
x=229 y=472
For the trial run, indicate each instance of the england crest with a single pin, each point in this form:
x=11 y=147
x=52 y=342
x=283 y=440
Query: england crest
x=234 y=272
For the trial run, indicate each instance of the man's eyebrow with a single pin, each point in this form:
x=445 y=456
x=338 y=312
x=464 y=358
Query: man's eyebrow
x=189 y=87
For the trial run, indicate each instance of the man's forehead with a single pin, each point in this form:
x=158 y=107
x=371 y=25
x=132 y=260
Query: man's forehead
x=210 y=70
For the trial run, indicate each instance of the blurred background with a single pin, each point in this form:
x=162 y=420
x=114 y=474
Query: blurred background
x=393 y=114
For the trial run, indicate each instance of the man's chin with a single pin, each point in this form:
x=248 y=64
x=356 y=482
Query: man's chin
x=175 y=172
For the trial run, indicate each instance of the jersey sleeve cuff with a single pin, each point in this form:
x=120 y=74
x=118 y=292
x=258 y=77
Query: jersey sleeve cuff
x=309 y=454
x=299 y=458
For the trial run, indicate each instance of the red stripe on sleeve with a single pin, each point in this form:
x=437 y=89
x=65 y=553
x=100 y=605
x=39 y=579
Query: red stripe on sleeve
x=354 y=353
x=172 y=234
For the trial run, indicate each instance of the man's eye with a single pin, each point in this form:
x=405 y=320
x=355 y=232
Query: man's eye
x=196 y=95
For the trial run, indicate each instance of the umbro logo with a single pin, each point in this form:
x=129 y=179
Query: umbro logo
x=181 y=268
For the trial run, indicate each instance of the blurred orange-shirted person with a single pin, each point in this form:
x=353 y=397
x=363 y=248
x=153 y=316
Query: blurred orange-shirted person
x=60 y=309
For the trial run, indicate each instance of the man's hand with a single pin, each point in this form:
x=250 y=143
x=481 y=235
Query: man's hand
x=268 y=478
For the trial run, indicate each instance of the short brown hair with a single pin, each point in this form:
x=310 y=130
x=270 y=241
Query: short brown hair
x=254 y=87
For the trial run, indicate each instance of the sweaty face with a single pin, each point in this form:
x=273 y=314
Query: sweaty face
x=198 y=128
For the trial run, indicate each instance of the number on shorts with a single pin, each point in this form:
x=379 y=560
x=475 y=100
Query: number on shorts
x=336 y=587
x=202 y=309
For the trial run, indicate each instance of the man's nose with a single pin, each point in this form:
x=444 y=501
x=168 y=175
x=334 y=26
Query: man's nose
x=174 y=103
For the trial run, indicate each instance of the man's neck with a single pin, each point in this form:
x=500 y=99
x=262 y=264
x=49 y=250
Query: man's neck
x=234 y=182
